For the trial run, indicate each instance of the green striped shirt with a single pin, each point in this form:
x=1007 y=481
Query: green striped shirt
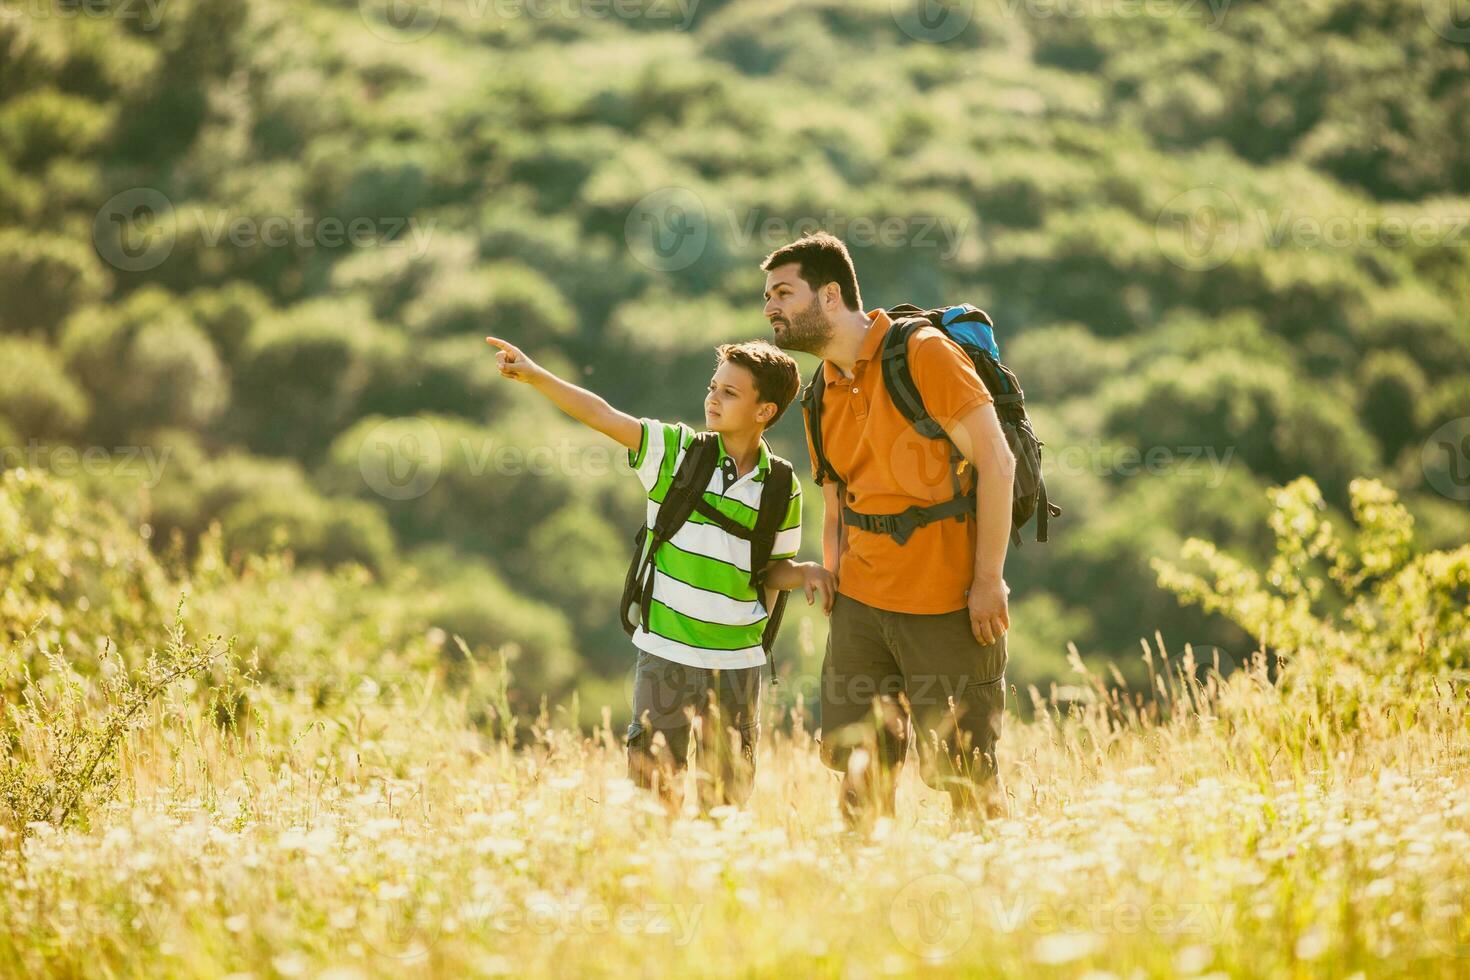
x=705 y=612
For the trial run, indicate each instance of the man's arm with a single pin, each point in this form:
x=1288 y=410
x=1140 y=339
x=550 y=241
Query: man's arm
x=831 y=527
x=590 y=409
x=978 y=437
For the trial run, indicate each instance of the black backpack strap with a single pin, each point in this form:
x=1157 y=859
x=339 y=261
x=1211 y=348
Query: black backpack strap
x=1045 y=510
x=811 y=410
x=902 y=525
x=899 y=380
x=686 y=491
x=688 y=486
x=775 y=502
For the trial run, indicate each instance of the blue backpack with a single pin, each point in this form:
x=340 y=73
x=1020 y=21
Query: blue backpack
x=974 y=331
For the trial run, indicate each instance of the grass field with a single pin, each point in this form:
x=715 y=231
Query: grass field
x=1194 y=830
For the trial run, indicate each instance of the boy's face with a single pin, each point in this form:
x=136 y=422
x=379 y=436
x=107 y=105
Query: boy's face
x=732 y=404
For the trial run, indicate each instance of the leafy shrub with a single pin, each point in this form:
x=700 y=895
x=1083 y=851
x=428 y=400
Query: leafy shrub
x=73 y=575
x=61 y=737
x=315 y=529
x=506 y=296
x=305 y=372
x=38 y=125
x=36 y=395
x=1339 y=607
x=147 y=364
x=44 y=278
x=466 y=597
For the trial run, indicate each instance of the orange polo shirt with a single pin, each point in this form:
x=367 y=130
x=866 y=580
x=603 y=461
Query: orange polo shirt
x=887 y=467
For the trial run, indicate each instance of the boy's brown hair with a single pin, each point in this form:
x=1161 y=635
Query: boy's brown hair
x=777 y=378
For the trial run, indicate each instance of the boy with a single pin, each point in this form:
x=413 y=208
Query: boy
x=700 y=652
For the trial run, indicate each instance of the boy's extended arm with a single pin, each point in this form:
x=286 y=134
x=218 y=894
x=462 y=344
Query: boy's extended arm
x=586 y=407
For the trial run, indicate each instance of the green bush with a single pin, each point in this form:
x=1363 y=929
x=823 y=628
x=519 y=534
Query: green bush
x=305 y=372
x=507 y=296
x=315 y=529
x=39 y=125
x=36 y=395
x=73 y=576
x=467 y=598
x=1339 y=602
x=147 y=364
x=44 y=278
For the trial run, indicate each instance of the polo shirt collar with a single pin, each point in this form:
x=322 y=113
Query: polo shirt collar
x=762 y=463
x=879 y=323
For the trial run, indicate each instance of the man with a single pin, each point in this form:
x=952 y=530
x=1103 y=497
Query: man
x=918 y=629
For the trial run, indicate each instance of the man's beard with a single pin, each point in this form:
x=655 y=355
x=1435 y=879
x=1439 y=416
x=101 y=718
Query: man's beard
x=808 y=331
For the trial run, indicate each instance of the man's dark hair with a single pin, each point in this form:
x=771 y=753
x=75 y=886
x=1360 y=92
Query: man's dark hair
x=823 y=258
x=777 y=377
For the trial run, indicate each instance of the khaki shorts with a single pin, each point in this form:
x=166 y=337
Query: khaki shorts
x=667 y=698
x=890 y=678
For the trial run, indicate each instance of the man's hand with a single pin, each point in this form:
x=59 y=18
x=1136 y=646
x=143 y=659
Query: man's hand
x=816 y=579
x=514 y=363
x=989 y=616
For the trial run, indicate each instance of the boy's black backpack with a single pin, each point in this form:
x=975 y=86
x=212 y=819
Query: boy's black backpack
x=973 y=330
x=685 y=496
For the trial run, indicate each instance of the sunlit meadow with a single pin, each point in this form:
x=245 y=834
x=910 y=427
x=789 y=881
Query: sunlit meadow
x=397 y=821
x=396 y=840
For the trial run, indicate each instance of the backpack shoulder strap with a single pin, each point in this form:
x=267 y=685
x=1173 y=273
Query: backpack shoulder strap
x=685 y=491
x=688 y=486
x=775 y=502
x=811 y=410
x=899 y=380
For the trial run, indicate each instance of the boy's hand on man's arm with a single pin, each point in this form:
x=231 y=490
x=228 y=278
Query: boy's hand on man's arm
x=806 y=575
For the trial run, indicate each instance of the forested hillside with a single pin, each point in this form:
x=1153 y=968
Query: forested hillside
x=248 y=251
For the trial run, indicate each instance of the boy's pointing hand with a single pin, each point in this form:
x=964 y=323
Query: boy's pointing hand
x=513 y=362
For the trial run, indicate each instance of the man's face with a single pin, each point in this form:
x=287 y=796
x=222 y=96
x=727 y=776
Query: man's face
x=732 y=405
x=795 y=311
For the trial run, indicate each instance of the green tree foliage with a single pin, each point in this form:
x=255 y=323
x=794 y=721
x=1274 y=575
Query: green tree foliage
x=36 y=395
x=147 y=365
x=44 y=278
x=1229 y=230
x=1338 y=604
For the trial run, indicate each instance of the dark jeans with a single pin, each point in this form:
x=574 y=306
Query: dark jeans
x=890 y=678
x=668 y=699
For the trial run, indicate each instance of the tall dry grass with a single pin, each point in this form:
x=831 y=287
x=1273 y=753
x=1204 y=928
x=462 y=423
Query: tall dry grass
x=1202 y=828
